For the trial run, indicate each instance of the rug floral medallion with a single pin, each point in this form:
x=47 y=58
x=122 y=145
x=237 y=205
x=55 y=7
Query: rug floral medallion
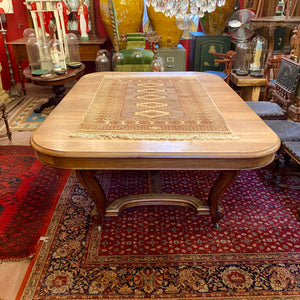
x=167 y=252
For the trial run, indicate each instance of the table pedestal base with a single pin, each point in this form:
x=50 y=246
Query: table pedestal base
x=249 y=93
x=58 y=90
x=155 y=197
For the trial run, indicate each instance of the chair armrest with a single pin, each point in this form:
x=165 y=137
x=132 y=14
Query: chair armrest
x=221 y=60
x=219 y=54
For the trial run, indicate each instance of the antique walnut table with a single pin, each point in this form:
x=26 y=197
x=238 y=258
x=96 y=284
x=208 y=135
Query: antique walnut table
x=153 y=122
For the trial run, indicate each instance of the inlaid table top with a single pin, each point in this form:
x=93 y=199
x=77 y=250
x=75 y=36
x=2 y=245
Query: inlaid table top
x=154 y=121
x=252 y=144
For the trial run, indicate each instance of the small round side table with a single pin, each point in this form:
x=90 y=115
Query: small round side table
x=57 y=82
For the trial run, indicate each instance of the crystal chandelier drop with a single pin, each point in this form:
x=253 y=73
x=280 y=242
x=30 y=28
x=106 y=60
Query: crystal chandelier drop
x=185 y=8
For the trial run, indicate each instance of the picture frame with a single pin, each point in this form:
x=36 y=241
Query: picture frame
x=250 y=4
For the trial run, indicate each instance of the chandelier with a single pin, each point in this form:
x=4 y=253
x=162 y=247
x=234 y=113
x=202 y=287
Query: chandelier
x=185 y=8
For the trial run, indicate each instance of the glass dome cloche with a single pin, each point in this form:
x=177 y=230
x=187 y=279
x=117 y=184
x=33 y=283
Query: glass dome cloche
x=242 y=58
x=58 y=56
x=74 y=60
x=39 y=57
x=258 y=56
x=102 y=61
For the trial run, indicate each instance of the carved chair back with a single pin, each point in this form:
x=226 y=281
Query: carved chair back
x=271 y=71
x=286 y=83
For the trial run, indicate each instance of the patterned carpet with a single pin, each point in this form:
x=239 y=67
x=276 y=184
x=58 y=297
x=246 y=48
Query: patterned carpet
x=23 y=117
x=164 y=252
x=29 y=192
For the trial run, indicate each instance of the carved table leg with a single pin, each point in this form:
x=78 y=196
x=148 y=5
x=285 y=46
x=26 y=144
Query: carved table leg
x=59 y=94
x=4 y=117
x=225 y=179
x=88 y=179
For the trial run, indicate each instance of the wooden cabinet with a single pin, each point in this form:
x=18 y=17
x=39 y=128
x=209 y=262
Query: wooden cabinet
x=202 y=45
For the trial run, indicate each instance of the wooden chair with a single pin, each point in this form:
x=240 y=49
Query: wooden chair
x=283 y=95
x=227 y=59
x=292 y=150
x=286 y=83
x=289 y=134
x=4 y=117
x=271 y=72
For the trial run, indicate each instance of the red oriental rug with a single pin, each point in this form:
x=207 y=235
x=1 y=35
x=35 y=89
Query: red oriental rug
x=29 y=192
x=167 y=252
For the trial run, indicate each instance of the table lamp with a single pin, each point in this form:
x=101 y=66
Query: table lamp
x=6 y=7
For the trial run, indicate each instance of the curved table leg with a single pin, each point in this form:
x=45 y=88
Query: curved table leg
x=88 y=179
x=225 y=179
x=59 y=94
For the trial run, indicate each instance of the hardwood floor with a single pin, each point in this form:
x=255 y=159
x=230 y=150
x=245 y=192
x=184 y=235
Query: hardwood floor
x=12 y=273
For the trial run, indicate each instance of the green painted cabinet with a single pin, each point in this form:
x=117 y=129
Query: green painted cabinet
x=201 y=46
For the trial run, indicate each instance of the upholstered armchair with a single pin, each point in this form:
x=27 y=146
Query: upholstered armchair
x=135 y=57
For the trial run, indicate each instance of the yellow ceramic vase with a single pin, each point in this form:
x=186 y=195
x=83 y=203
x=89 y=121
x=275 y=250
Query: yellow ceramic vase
x=214 y=23
x=129 y=14
x=166 y=27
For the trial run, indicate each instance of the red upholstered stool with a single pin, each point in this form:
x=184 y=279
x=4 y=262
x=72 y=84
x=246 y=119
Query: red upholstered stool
x=4 y=117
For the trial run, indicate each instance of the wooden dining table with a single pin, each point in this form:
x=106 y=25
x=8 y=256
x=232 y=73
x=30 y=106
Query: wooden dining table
x=154 y=121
